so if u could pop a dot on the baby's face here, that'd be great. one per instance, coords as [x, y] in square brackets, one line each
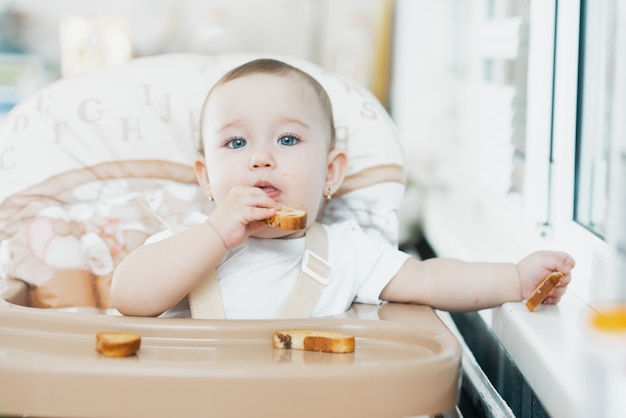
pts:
[268, 131]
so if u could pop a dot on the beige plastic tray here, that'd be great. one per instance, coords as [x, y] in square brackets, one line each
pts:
[406, 363]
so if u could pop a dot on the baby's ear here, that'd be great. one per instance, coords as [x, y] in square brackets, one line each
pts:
[337, 168]
[202, 175]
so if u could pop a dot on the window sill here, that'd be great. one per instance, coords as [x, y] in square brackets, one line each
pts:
[548, 348]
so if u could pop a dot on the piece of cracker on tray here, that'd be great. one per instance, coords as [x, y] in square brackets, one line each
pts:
[313, 340]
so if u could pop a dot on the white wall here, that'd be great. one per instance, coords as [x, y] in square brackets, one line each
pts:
[423, 81]
[339, 36]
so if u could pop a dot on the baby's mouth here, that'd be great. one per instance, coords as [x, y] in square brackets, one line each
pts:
[268, 188]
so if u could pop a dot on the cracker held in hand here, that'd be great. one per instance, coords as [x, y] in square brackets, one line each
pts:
[542, 291]
[312, 340]
[117, 344]
[288, 218]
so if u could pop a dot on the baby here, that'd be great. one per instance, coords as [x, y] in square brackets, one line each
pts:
[268, 140]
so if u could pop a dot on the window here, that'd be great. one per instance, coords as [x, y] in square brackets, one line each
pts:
[597, 59]
[586, 209]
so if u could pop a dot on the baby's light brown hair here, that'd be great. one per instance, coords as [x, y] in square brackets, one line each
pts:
[273, 67]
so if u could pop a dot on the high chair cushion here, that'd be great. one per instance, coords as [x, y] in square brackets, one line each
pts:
[75, 155]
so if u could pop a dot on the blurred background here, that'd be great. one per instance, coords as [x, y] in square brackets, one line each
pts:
[425, 60]
[62, 37]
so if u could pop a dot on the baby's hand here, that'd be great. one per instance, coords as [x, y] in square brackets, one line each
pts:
[534, 268]
[241, 214]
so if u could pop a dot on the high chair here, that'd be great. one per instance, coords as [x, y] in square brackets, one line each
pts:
[74, 160]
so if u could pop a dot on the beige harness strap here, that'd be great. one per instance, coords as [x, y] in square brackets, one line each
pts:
[314, 275]
[145, 207]
[205, 299]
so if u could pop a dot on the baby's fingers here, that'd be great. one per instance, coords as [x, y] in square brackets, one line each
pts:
[562, 262]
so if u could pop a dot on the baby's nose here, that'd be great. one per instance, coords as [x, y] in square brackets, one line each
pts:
[261, 160]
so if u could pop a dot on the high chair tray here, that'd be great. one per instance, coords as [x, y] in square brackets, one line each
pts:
[406, 363]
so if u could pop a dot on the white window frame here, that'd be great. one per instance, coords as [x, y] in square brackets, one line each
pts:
[551, 142]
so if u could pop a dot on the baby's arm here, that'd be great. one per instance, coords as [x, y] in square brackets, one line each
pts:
[155, 277]
[456, 285]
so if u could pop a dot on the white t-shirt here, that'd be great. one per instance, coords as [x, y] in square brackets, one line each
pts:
[256, 277]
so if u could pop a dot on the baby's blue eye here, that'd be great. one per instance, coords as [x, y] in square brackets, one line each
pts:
[236, 143]
[288, 140]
